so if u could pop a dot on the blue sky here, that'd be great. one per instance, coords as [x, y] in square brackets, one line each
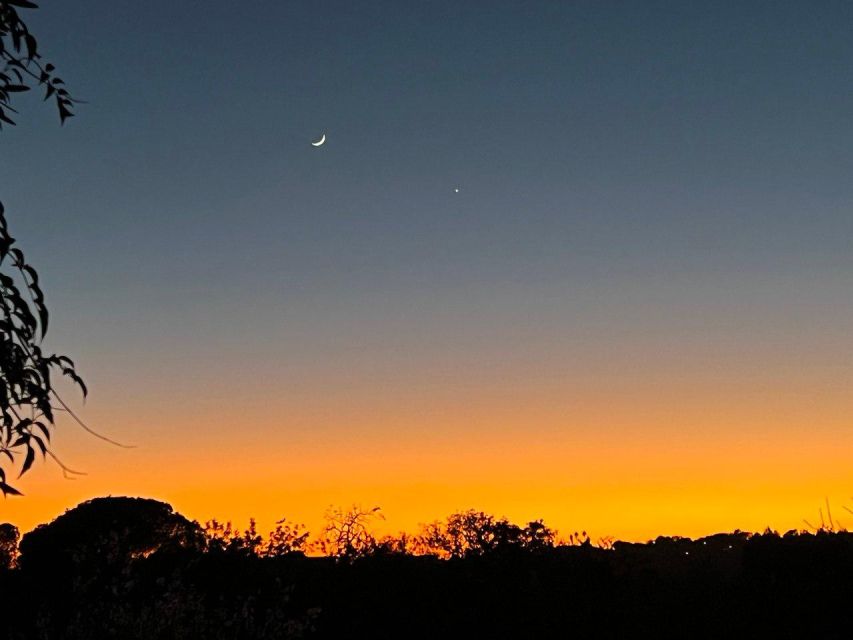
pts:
[603, 146]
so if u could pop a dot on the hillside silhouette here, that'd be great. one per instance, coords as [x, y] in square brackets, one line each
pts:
[134, 568]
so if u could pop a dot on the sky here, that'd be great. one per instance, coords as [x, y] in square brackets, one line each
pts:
[633, 318]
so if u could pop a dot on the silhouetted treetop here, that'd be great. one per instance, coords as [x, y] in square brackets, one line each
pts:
[287, 538]
[107, 531]
[347, 533]
[474, 533]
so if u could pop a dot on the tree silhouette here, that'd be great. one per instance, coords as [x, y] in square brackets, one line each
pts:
[347, 533]
[27, 393]
[475, 533]
[286, 539]
[106, 532]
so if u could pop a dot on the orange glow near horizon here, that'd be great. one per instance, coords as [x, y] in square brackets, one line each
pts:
[624, 470]
[660, 434]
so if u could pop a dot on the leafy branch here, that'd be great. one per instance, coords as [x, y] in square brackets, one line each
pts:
[23, 67]
[26, 383]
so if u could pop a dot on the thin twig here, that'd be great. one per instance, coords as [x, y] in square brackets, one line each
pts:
[89, 429]
[67, 472]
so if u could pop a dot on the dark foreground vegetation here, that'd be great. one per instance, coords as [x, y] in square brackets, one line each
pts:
[132, 568]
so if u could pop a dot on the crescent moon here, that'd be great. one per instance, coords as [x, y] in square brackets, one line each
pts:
[319, 142]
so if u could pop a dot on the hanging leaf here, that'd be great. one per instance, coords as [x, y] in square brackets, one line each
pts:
[28, 460]
[9, 490]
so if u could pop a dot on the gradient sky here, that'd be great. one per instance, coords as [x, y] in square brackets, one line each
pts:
[633, 318]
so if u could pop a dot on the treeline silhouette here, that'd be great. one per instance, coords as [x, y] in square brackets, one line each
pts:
[133, 568]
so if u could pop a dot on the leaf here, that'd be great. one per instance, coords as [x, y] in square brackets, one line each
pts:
[77, 380]
[28, 461]
[41, 445]
[34, 277]
[38, 297]
[32, 45]
[43, 428]
[20, 440]
[18, 255]
[66, 360]
[9, 490]
[64, 113]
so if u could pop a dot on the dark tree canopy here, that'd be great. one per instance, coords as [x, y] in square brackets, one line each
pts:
[27, 394]
[107, 532]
